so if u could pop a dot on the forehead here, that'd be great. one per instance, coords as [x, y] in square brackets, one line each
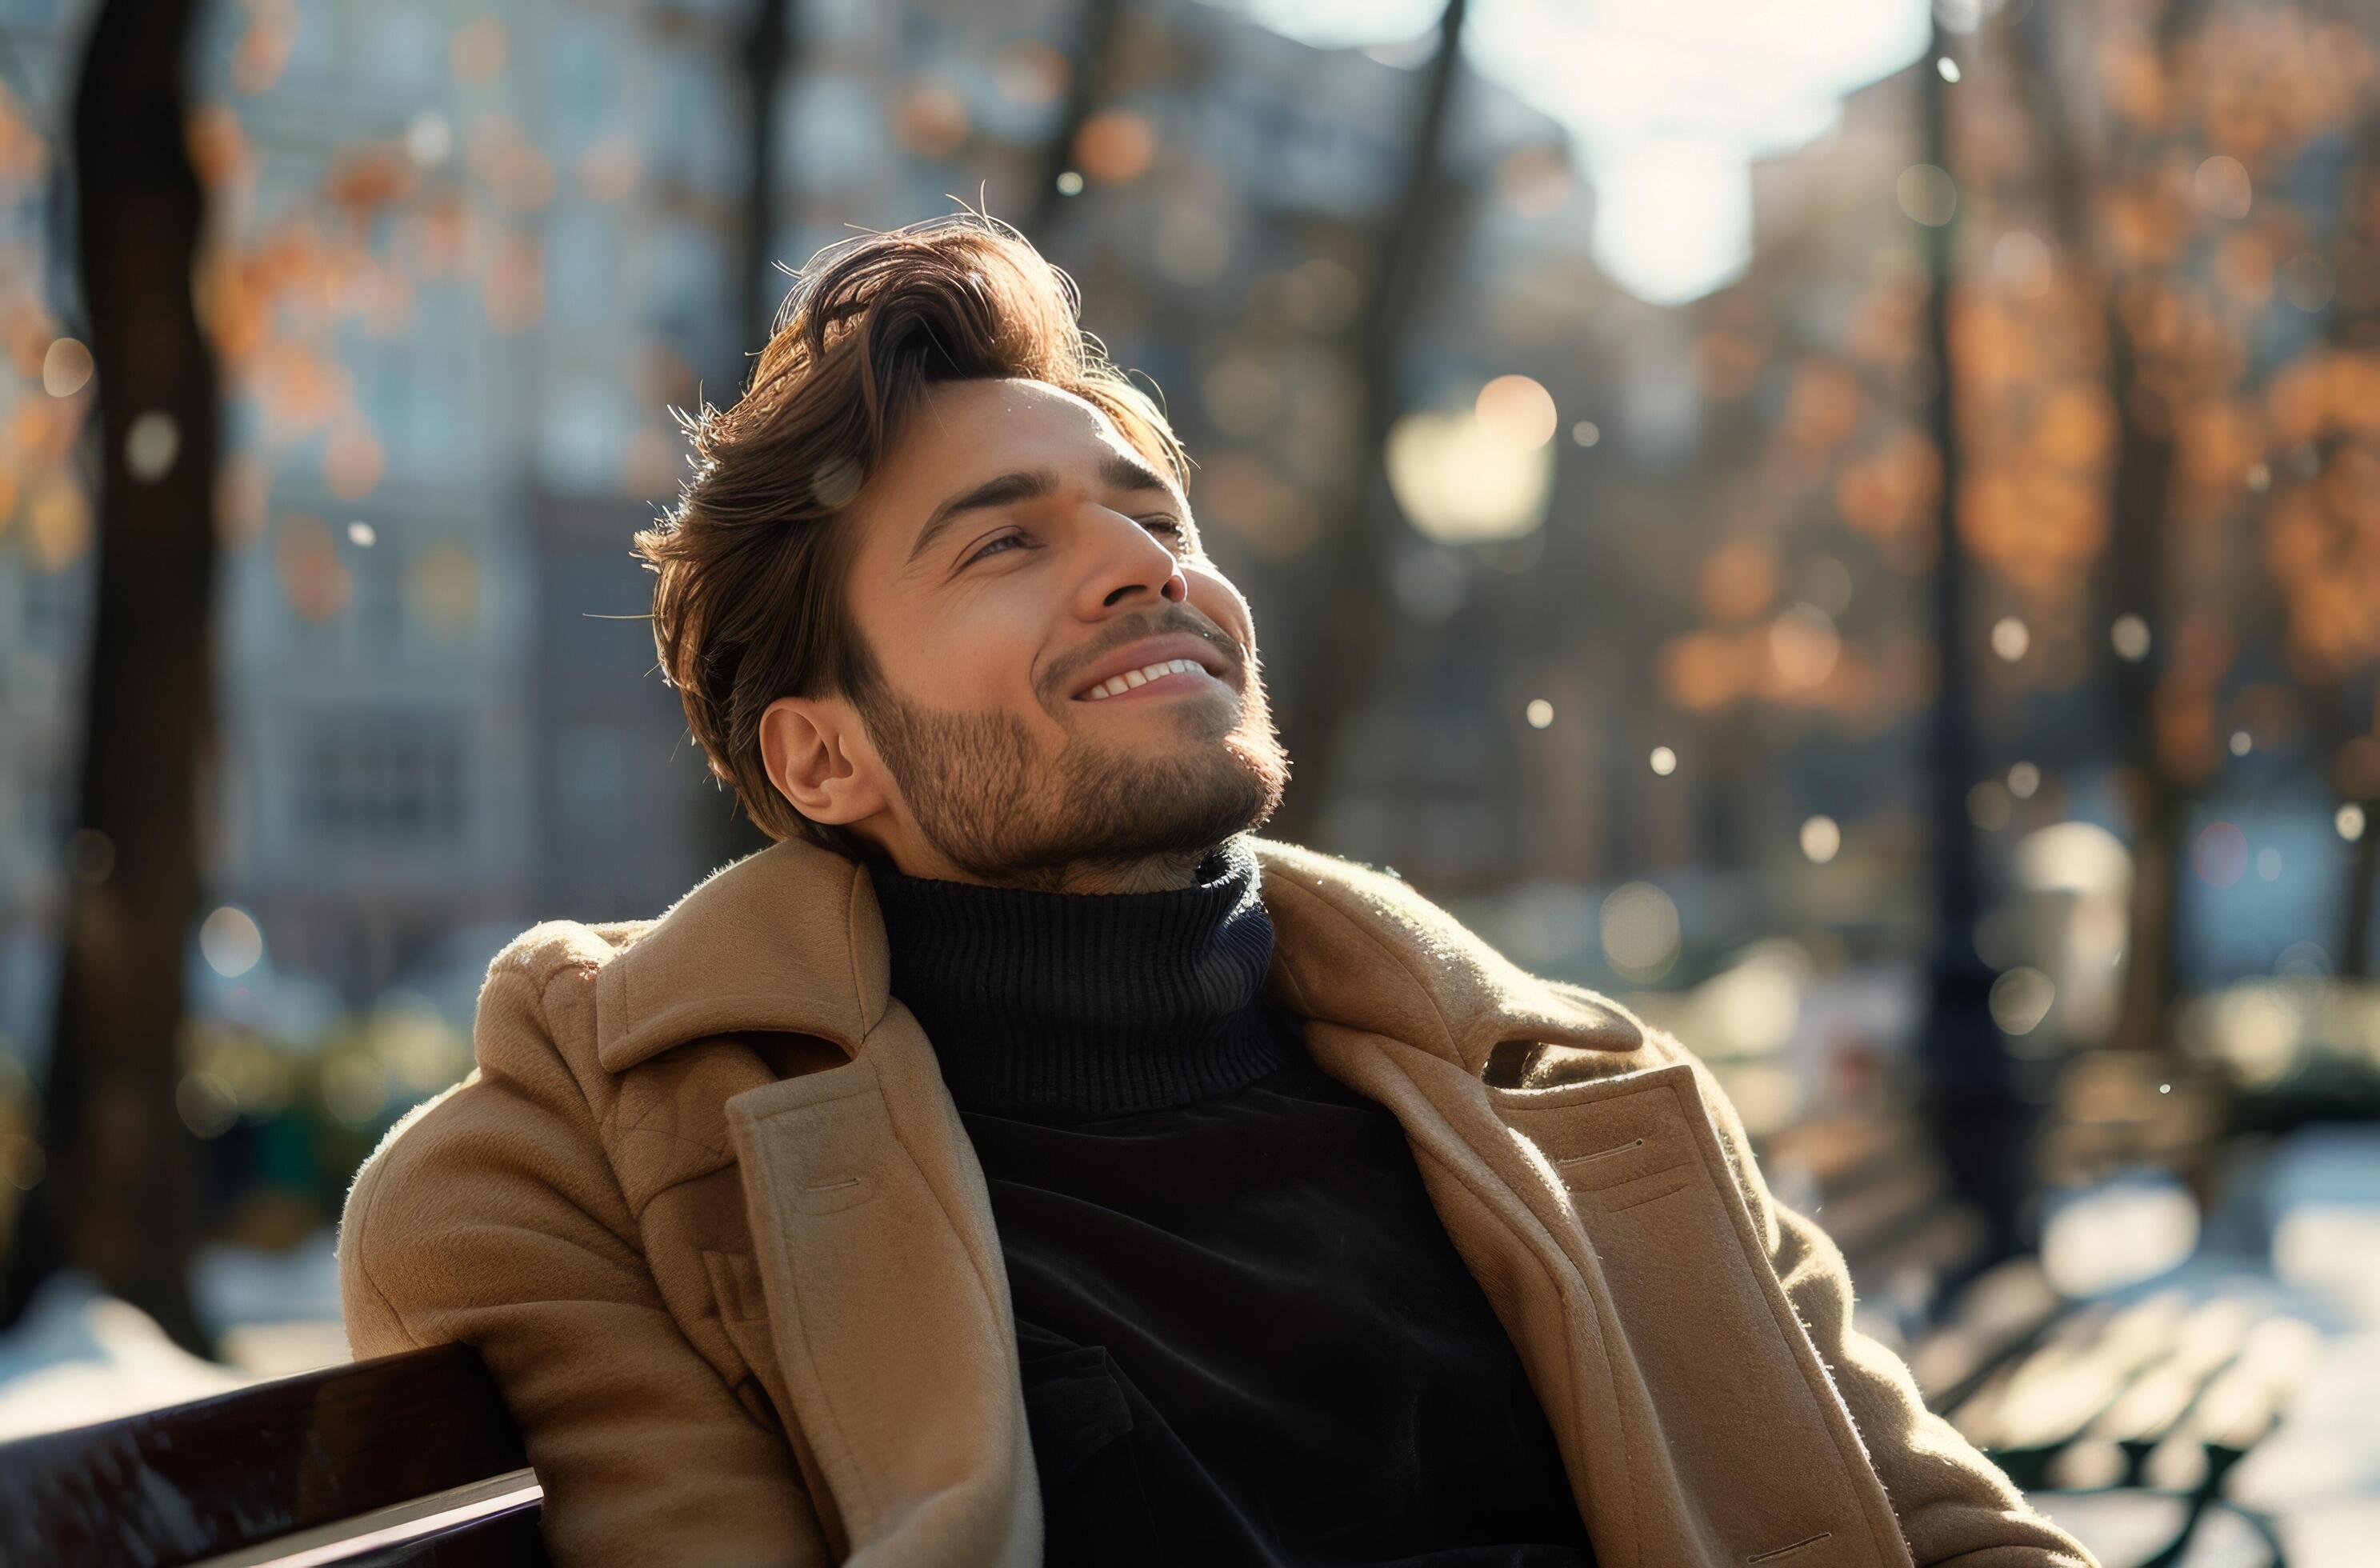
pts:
[962, 433]
[982, 407]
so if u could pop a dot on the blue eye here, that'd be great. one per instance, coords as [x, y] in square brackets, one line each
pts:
[990, 549]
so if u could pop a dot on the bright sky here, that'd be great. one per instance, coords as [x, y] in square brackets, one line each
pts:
[1670, 102]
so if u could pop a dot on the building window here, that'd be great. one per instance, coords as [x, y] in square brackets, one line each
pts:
[389, 779]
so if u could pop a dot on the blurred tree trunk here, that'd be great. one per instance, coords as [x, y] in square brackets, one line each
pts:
[2139, 518]
[2352, 699]
[2344, 718]
[2132, 582]
[1341, 661]
[2134, 585]
[121, 1197]
[1086, 84]
[722, 831]
[2363, 881]
[1970, 1094]
[766, 51]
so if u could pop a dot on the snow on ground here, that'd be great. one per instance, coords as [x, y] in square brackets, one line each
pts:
[80, 1355]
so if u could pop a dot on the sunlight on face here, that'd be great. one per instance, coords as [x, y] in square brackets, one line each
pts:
[1071, 683]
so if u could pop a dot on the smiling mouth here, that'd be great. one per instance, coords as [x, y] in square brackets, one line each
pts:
[1164, 675]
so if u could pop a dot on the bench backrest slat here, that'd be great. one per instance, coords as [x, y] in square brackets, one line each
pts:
[175, 1486]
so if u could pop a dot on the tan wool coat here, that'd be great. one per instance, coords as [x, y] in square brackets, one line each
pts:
[706, 1210]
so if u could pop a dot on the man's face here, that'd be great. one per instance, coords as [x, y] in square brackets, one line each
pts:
[1021, 574]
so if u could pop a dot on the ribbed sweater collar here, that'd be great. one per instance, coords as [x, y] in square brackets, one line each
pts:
[1072, 1004]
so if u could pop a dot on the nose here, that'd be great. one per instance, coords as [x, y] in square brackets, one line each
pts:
[1127, 564]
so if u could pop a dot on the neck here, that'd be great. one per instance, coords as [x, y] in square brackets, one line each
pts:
[1149, 873]
[1166, 871]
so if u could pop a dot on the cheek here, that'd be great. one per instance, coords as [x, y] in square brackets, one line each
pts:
[982, 648]
[1212, 595]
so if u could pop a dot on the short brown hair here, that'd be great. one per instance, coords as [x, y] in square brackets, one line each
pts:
[749, 602]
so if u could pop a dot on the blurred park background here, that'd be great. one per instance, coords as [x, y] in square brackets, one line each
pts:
[1854, 530]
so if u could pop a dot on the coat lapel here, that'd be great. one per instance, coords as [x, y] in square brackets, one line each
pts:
[1574, 1164]
[887, 1306]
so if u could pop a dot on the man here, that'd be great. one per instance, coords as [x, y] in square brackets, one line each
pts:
[1021, 1161]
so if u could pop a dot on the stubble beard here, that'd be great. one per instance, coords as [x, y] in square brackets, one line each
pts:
[987, 799]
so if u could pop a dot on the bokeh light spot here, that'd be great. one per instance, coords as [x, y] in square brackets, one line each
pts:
[66, 367]
[479, 49]
[230, 941]
[1461, 478]
[1639, 926]
[2021, 1000]
[1519, 409]
[2021, 261]
[1927, 194]
[1804, 645]
[2223, 187]
[151, 445]
[1821, 838]
[354, 1087]
[2220, 856]
[1115, 146]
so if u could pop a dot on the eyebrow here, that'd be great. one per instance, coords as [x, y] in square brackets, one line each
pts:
[1116, 471]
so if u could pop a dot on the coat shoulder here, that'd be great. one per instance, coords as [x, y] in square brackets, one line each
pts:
[534, 1099]
[550, 946]
[539, 995]
[533, 1041]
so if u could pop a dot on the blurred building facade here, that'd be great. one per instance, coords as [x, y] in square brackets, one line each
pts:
[471, 255]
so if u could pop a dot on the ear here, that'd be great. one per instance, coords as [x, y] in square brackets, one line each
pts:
[818, 756]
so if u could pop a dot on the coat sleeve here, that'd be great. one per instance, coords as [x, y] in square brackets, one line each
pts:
[1956, 1507]
[491, 1216]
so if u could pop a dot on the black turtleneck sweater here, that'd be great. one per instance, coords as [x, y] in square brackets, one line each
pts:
[1245, 1337]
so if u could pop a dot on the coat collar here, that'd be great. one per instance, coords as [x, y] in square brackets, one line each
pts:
[789, 939]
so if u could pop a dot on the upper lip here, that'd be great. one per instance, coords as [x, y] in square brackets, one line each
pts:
[1154, 651]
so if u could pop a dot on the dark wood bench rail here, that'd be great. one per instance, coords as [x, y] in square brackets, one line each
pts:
[403, 1459]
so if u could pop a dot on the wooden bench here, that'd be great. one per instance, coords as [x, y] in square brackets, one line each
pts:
[2162, 1394]
[407, 1459]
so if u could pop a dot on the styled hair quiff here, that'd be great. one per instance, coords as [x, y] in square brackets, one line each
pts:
[749, 602]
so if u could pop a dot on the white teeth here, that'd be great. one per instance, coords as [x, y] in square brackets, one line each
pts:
[1117, 685]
